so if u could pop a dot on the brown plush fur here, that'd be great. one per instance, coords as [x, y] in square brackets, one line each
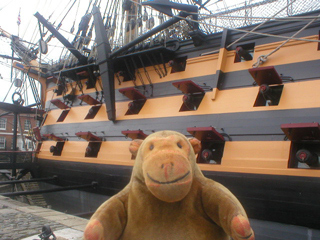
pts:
[168, 198]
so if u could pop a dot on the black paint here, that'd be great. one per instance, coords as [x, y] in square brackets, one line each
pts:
[241, 126]
[287, 199]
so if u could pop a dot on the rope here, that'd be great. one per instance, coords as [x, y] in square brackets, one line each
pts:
[8, 91]
[252, 31]
[74, 22]
[67, 13]
[279, 19]
[263, 58]
[257, 33]
[260, 24]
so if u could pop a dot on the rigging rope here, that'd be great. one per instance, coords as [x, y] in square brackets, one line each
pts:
[260, 24]
[59, 25]
[263, 58]
[257, 33]
[8, 91]
[62, 11]
[74, 22]
[88, 7]
[280, 19]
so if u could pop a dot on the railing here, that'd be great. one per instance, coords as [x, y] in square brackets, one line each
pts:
[20, 156]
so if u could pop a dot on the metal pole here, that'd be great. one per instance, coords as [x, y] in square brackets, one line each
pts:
[13, 194]
[82, 59]
[14, 143]
[30, 105]
[12, 58]
[29, 180]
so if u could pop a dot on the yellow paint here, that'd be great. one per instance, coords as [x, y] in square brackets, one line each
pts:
[50, 94]
[214, 93]
[295, 95]
[239, 156]
[283, 172]
[52, 116]
[256, 154]
[259, 157]
[196, 67]
[224, 60]
[307, 51]
[114, 152]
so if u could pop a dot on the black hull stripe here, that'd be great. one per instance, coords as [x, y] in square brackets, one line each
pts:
[159, 90]
[228, 80]
[244, 126]
[287, 199]
[244, 79]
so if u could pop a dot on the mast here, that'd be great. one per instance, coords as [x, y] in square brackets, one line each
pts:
[106, 73]
[131, 9]
[27, 56]
[27, 62]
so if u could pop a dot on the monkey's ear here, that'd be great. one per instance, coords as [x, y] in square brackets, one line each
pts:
[134, 146]
[196, 144]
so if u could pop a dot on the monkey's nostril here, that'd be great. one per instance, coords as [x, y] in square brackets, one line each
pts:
[162, 166]
[172, 164]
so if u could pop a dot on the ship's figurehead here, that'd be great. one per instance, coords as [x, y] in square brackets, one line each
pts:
[169, 198]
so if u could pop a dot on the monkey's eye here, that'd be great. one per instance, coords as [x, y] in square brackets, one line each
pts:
[151, 147]
[179, 145]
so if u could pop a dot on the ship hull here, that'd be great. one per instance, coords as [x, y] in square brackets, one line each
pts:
[253, 121]
[285, 199]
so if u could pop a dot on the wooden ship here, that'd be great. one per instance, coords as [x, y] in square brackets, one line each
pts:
[248, 93]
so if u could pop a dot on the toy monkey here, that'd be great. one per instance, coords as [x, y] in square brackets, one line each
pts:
[168, 198]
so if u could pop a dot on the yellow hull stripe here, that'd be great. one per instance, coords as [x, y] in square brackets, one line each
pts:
[296, 95]
[208, 65]
[240, 157]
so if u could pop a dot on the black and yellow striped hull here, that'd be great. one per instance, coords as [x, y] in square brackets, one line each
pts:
[255, 163]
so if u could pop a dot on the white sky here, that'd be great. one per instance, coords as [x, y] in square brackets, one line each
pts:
[28, 29]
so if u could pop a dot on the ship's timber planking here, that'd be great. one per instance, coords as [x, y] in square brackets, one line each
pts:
[295, 57]
[254, 165]
[202, 70]
[295, 95]
[286, 199]
[258, 157]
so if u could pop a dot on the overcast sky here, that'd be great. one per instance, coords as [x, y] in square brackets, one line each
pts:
[28, 28]
[9, 11]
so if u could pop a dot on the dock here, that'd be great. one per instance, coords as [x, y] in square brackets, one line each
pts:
[20, 221]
